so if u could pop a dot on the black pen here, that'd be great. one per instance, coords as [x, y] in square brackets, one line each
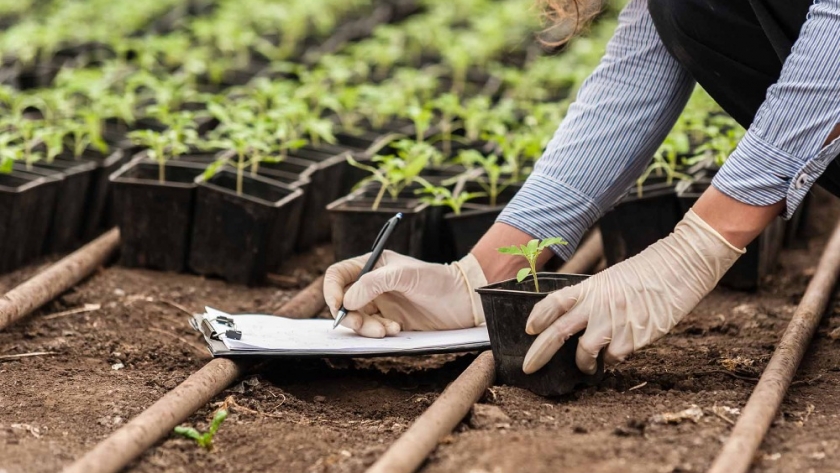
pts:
[378, 248]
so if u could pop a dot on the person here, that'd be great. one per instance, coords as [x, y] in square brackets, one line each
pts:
[773, 65]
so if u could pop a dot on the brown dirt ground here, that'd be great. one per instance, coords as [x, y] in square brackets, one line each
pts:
[321, 416]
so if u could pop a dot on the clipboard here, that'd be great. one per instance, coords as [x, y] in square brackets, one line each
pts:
[273, 336]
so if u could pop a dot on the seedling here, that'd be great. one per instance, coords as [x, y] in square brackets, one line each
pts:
[531, 251]
[163, 146]
[443, 196]
[491, 181]
[394, 174]
[204, 439]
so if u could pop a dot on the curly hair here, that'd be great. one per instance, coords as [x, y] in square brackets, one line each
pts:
[566, 18]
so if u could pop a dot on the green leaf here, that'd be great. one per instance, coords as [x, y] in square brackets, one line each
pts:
[532, 246]
[213, 168]
[220, 417]
[552, 241]
[188, 432]
[522, 274]
[510, 250]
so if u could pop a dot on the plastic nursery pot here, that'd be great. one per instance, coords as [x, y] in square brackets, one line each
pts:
[507, 305]
[99, 202]
[49, 197]
[638, 221]
[26, 202]
[69, 216]
[796, 225]
[242, 237]
[329, 173]
[355, 224]
[155, 218]
[762, 253]
[476, 217]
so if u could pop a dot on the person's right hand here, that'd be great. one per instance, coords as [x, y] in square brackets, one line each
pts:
[402, 293]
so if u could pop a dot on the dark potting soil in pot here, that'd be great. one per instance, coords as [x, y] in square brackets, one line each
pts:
[507, 305]
[155, 218]
[355, 225]
[24, 216]
[242, 237]
[638, 221]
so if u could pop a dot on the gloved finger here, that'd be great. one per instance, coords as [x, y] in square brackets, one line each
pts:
[353, 320]
[372, 327]
[551, 339]
[374, 284]
[338, 277]
[589, 346]
[548, 310]
[391, 327]
[617, 351]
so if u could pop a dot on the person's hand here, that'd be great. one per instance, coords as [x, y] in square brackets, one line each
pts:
[633, 303]
[402, 293]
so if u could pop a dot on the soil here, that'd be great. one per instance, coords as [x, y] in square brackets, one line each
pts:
[339, 416]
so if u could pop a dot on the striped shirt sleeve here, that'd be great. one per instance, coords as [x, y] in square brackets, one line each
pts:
[782, 154]
[622, 113]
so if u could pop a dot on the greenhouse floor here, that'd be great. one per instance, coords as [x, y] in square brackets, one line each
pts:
[111, 363]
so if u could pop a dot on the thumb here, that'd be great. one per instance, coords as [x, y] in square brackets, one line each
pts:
[374, 284]
[338, 277]
[554, 306]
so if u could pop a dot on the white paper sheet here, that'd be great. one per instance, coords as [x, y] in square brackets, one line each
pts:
[272, 335]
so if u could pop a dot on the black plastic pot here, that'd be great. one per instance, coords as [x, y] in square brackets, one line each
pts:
[242, 237]
[796, 225]
[507, 305]
[26, 205]
[355, 225]
[155, 218]
[329, 171]
[638, 221]
[762, 253]
[477, 216]
[69, 216]
[99, 202]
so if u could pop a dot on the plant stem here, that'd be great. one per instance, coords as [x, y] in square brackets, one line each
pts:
[162, 172]
[533, 263]
[379, 197]
[240, 170]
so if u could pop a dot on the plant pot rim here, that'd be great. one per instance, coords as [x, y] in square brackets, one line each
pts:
[72, 167]
[30, 184]
[293, 192]
[494, 287]
[335, 206]
[117, 176]
[477, 209]
[311, 166]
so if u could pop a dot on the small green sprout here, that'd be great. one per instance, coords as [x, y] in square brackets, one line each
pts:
[442, 196]
[204, 440]
[531, 251]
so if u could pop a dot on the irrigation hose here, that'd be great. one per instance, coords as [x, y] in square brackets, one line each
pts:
[740, 448]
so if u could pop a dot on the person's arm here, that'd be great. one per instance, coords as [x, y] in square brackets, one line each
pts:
[793, 136]
[622, 113]
[788, 146]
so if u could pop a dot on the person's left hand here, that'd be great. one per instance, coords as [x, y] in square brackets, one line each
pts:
[633, 303]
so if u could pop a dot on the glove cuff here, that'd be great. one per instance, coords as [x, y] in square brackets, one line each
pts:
[474, 278]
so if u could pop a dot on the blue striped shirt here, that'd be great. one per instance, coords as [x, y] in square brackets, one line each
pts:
[628, 105]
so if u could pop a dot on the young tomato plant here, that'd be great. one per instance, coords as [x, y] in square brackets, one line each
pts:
[204, 439]
[491, 182]
[443, 196]
[163, 146]
[531, 251]
[394, 174]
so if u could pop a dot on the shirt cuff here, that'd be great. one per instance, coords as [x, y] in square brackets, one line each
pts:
[546, 207]
[761, 174]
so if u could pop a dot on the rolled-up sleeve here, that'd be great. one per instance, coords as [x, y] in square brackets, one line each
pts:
[622, 113]
[784, 150]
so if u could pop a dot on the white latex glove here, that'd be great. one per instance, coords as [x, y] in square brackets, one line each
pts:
[633, 303]
[402, 293]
